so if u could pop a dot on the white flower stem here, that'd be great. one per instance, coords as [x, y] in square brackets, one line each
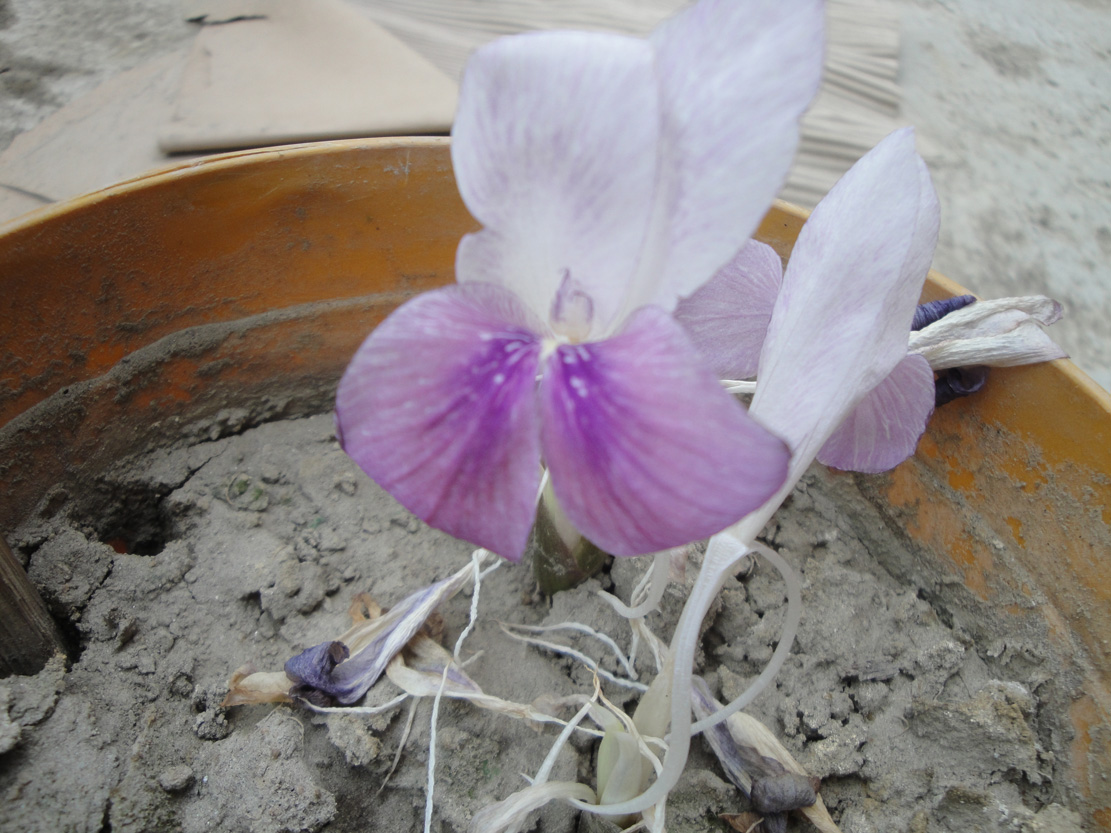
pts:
[779, 656]
[549, 761]
[679, 664]
[724, 552]
[735, 386]
[477, 559]
[431, 788]
[657, 584]
[578, 627]
[574, 654]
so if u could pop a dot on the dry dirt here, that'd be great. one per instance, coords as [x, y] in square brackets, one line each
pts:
[249, 548]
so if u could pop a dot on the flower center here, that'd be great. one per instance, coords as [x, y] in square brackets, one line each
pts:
[572, 312]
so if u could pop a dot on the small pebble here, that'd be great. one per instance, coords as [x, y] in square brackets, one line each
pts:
[176, 778]
[212, 725]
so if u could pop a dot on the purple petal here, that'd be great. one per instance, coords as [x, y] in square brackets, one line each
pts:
[645, 449]
[555, 152]
[735, 78]
[849, 293]
[883, 429]
[438, 406]
[728, 317]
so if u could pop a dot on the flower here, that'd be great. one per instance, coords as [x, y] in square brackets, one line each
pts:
[612, 176]
[957, 339]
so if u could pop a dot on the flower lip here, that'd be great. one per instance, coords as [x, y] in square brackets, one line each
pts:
[438, 407]
[633, 472]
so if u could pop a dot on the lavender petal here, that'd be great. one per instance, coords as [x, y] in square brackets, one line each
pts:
[727, 318]
[884, 428]
[438, 406]
[645, 450]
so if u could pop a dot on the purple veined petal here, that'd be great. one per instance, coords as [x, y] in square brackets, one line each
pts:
[438, 406]
[884, 428]
[849, 293]
[999, 333]
[735, 78]
[555, 152]
[728, 316]
[645, 449]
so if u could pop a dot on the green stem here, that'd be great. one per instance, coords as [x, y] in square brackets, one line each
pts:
[561, 556]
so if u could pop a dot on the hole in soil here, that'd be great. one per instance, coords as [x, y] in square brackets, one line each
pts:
[134, 522]
[73, 641]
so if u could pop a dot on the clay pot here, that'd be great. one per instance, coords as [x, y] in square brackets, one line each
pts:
[227, 292]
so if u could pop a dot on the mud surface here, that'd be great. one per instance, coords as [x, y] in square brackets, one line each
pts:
[191, 562]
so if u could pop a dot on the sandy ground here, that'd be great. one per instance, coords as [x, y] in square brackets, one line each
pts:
[1009, 98]
[1012, 107]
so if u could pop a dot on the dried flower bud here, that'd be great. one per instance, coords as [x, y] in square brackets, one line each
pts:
[780, 793]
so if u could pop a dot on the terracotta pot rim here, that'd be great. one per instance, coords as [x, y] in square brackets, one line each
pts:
[204, 165]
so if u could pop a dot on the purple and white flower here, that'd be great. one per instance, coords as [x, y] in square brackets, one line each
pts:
[612, 176]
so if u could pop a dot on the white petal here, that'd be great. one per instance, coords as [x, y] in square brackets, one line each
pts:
[1025, 343]
[555, 153]
[1000, 333]
[735, 78]
[849, 293]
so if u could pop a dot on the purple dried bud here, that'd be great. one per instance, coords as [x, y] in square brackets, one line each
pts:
[957, 382]
[932, 311]
[311, 672]
[780, 793]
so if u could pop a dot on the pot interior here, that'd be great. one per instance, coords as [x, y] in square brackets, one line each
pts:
[222, 294]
